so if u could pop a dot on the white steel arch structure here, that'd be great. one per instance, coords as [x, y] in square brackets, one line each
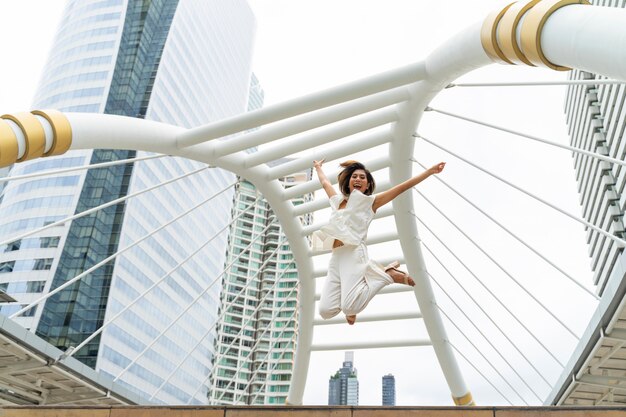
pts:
[385, 109]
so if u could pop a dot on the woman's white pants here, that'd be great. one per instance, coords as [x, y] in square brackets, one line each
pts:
[352, 281]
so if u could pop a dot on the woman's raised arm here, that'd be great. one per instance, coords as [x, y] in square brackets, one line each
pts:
[386, 196]
[326, 185]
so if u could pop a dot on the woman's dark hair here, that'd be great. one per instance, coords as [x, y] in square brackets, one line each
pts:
[344, 177]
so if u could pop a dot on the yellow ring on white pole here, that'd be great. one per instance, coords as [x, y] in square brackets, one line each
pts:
[489, 35]
[35, 136]
[465, 400]
[8, 145]
[61, 129]
[532, 27]
[507, 31]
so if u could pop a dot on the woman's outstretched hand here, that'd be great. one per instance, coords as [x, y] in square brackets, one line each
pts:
[318, 164]
[436, 169]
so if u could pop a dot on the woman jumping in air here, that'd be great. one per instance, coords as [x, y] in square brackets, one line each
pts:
[353, 279]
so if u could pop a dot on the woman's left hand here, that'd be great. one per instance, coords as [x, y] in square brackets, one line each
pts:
[436, 169]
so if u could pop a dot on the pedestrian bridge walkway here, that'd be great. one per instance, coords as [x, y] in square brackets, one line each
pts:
[311, 412]
[379, 114]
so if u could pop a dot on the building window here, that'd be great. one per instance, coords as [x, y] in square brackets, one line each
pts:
[13, 246]
[6, 267]
[42, 264]
[30, 312]
[49, 242]
[33, 243]
[35, 286]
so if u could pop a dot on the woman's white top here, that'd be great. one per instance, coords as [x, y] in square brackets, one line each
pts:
[349, 224]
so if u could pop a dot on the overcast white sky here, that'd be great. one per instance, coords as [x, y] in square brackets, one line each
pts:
[303, 46]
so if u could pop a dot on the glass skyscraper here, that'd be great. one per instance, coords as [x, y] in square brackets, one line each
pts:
[596, 123]
[343, 387]
[180, 62]
[389, 390]
[257, 330]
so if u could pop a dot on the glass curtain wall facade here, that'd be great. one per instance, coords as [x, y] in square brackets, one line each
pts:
[76, 78]
[185, 63]
[257, 330]
[389, 390]
[343, 387]
[596, 119]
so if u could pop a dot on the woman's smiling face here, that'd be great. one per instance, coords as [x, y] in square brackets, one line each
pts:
[358, 181]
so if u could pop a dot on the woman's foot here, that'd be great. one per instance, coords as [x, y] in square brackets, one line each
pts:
[399, 277]
[351, 319]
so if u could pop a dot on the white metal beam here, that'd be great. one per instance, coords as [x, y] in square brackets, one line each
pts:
[313, 120]
[342, 150]
[351, 91]
[365, 318]
[371, 345]
[322, 136]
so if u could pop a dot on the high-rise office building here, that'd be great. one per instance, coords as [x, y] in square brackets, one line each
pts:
[389, 390]
[3, 173]
[257, 330]
[343, 387]
[596, 122]
[180, 62]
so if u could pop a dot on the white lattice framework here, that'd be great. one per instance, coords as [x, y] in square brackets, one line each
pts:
[384, 109]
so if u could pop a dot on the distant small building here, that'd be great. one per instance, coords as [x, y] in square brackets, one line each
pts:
[389, 390]
[343, 387]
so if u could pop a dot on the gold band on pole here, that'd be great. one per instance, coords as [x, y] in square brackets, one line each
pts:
[498, 34]
[507, 31]
[465, 400]
[532, 27]
[61, 129]
[8, 145]
[35, 136]
[489, 35]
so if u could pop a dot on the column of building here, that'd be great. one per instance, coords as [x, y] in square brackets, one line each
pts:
[343, 386]
[389, 390]
[596, 122]
[146, 60]
[257, 333]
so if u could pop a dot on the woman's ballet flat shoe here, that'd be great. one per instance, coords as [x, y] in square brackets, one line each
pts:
[394, 265]
[351, 320]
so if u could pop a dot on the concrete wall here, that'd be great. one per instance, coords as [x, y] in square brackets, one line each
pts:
[312, 412]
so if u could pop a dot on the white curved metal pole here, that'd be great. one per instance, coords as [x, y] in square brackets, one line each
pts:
[568, 39]
[507, 273]
[350, 127]
[537, 83]
[117, 132]
[371, 318]
[459, 55]
[311, 121]
[478, 370]
[480, 351]
[354, 90]
[589, 38]
[468, 269]
[476, 327]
